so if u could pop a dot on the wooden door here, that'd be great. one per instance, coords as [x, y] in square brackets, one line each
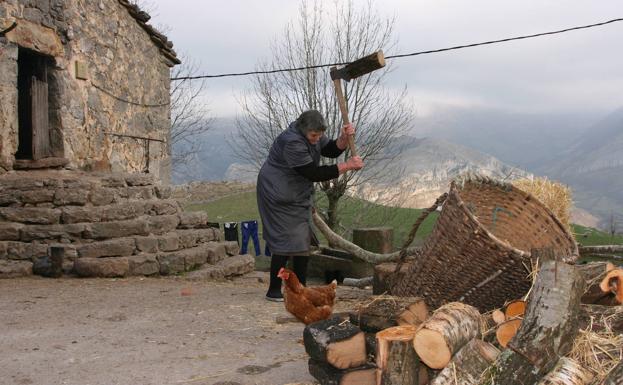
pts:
[39, 111]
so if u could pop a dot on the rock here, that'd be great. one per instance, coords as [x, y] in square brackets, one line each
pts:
[14, 269]
[162, 224]
[102, 267]
[30, 215]
[146, 244]
[65, 196]
[193, 220]
[236, 265]
[169, 242]
[232, 247]
[10, 231]
[193, 237]
[118, 247]
[144, 264]
[117, 229]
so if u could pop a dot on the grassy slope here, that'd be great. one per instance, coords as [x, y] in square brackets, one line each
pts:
[358, 213]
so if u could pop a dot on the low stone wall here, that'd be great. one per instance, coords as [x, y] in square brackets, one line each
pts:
[108, 226]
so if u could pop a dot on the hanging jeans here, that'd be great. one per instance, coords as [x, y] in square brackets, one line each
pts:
[249, 229]
[231, 231]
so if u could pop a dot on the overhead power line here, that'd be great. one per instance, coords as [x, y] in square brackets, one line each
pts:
[401, 55]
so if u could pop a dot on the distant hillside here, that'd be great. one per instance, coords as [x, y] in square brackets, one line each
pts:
[593, 166]
[423, 171]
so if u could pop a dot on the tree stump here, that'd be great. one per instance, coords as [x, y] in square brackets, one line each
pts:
[548, 328]
[396, 361]
[384, 277]
[385, 312]
[567, 372]
[615, 377]
[445, 332]
[468, 364]
[375, 239]
[328, 375]
[337, 342]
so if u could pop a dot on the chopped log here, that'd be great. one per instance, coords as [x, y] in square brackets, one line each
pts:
[385, 312]
[506, 331]
[445, 332]
[328, 375]
[613, 283]
[396, 361]
[567, 372]
[593, 274]
[468, 364]
[358, 282]
[615, 377]
[337, 342]
[548, 328]
[601, 318]
[423, 375]
[498, 316]
[515, 309]
[384, 276]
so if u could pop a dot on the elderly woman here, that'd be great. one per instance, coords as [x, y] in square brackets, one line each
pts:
[284, 191]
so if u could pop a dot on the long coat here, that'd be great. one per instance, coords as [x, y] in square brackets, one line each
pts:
[284, 197]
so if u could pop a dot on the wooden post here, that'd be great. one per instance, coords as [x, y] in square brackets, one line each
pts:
[396, 360]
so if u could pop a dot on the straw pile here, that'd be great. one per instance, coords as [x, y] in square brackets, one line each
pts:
[554, 195]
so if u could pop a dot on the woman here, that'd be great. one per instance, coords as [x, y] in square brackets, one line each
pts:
[284, 191]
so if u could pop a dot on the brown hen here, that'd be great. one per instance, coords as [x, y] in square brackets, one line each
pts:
[307, 304]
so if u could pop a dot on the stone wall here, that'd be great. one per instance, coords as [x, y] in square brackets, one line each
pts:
[126, 90]
[107, 226]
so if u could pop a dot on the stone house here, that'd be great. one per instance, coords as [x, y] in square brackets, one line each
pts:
[84, 149]
[84, 84]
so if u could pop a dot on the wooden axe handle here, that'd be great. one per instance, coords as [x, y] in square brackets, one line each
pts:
[342, 103]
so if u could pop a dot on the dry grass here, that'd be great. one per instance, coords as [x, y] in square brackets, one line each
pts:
[554, 195]
[598, 352]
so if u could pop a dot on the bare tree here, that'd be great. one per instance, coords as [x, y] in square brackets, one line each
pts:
[189, 117]
[342, 35]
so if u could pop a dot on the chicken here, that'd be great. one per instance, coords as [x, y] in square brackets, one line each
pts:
[307, 304]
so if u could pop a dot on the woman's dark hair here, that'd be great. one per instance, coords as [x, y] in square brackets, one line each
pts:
[311, 120]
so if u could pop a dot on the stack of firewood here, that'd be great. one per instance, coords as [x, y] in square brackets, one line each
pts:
[543, 340]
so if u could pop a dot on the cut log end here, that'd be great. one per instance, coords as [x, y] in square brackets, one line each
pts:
[432, 348]
[360, 377]
[414, 314]
[515, 309]
[498, 316]
[348, 353]
[396, 333]
[613, 283]
[507, 331]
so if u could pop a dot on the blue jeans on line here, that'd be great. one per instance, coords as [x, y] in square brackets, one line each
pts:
[249, 229]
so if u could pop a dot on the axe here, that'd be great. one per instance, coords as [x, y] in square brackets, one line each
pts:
[353, 70]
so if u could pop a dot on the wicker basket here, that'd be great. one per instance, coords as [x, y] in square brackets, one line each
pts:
[479, 250]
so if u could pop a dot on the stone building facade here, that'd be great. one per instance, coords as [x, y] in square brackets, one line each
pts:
[84, 84]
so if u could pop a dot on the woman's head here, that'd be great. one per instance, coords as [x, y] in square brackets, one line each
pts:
[311, 124]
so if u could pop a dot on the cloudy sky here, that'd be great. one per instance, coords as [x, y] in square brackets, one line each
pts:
[575, 71]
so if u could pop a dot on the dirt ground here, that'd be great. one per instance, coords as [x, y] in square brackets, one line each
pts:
[144, 331]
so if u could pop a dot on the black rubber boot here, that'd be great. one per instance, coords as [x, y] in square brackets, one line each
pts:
[300, 268]
[274, 287]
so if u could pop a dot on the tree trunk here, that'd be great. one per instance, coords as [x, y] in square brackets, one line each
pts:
[548, 328]
[615, 377]
[337, 342]
[567, 372]
[396, 361]
[445, 332]
[328, 375]
[468, 364]
[385, 312]
[593, 274]
[340, 243]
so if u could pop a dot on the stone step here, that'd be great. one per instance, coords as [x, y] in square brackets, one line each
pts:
[230, 266]
[14, 269]
[189, 259]
[120, 211]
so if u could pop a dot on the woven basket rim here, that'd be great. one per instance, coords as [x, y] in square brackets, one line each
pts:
[458, 183]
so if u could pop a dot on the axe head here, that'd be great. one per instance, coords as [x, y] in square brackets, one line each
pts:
[359, 67]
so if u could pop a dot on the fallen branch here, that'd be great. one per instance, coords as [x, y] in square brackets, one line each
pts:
[358, 282]
[603, 249]
[356, 251]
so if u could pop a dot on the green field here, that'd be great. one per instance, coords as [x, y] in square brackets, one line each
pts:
[356, 213]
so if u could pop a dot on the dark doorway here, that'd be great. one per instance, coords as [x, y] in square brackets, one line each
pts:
[33, 105]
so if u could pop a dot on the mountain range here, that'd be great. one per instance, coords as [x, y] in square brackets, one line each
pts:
[584, 151]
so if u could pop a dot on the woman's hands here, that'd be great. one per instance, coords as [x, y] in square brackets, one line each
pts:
[353, 163]
[342, 140]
